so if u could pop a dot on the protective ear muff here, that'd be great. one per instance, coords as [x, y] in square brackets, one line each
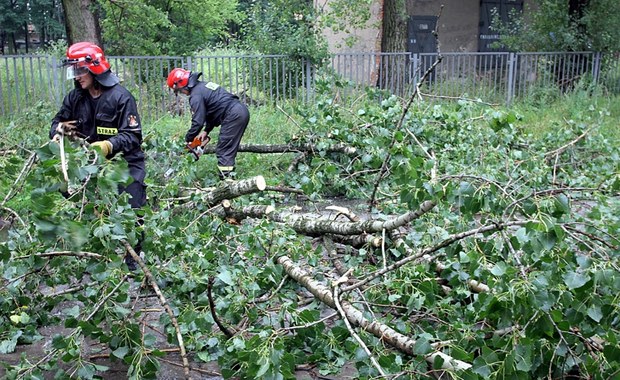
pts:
[90, 59]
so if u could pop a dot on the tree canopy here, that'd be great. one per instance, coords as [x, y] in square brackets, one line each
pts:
[556, 26]
[154, 27]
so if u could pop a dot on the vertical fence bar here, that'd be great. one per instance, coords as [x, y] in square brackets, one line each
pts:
[596, 69]
[2, 109]
[511, 77]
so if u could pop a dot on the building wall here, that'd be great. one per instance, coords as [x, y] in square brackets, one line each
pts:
[367, 39]
[458, 25]
[458, 22]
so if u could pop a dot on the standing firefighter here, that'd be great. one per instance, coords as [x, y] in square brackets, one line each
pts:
[211, 106]
[103, 112]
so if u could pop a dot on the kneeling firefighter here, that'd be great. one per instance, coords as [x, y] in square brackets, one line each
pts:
[212, 106]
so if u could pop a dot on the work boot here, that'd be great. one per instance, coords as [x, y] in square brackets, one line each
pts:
[132, 265]
[227, 175]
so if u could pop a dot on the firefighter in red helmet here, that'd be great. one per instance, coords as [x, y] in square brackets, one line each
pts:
[104, 113]
[213, 106]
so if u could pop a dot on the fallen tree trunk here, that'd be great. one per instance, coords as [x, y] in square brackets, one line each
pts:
[288, 148]
[356, 317]
[250, 211]
[357, 241]
[314, 227]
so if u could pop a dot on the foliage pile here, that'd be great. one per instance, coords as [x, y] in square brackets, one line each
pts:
[513, 271]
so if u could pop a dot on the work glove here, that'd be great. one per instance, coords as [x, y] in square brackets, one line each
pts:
[66, 127]
[105, 146]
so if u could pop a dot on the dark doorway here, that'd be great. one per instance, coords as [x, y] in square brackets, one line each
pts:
[505, 9]
[420, 37]
[421, 40]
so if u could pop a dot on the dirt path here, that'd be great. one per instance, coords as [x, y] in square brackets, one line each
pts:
[171, 366]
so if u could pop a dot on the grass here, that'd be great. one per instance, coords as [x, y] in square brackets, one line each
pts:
[276, 124]
[537, 119]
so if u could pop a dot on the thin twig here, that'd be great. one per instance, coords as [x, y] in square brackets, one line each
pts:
[163, 302]
[446, 242]
[343, 315]
[561, 149]
[63, 159]
[25, 169]
[16, 215]
[267, 296]
[229, 334]
[384, 166]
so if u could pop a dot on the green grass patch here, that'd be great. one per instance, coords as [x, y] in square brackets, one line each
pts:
[538, 120]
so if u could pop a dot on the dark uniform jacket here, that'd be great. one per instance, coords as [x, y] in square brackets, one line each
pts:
[209, 103]
[113, 117]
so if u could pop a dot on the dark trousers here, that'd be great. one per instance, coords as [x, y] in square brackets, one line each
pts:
[138, 193]
[231, 131]
[137, 190]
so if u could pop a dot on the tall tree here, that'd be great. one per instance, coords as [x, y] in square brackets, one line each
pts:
[174, 27]
[48, 19]
[284, 27]
[12, 16]
[393, 39]
[82, 21]
[394, 27]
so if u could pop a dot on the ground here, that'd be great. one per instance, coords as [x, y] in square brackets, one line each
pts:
[171, 366]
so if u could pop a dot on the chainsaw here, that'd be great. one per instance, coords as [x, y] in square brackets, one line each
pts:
[197, 147]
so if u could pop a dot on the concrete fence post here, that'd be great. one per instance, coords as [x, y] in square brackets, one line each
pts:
[512, 77]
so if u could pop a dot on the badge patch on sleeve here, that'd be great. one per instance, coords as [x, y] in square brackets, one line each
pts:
[212, 86]
[133, 121]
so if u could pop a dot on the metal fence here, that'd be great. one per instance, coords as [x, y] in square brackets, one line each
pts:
[261, 79]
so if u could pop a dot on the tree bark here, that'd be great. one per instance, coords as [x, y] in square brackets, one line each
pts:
[356, 317]
[394, 26]
[234, 189]
[313, 226]
[82, 21]
[393, 39]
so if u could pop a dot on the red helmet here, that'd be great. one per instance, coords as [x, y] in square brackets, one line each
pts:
[178, 79]
[88, 55]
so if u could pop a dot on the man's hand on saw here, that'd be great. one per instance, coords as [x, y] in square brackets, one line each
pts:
[202, 136]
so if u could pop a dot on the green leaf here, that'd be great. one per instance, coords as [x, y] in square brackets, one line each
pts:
[120, 352]
[499, 269]
[575, 280]
[72, 311]
[422, 346]
[226, 277]
[8, 346]
[523, 357]
[595, 313]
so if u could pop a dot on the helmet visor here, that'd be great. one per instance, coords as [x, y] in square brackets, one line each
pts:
[75, 71]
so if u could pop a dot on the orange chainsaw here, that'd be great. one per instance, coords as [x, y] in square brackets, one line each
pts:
[196, 147]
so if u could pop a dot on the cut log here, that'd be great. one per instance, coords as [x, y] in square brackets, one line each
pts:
[233, 189]
[252, 211]
[357, 241]
[356, 317]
